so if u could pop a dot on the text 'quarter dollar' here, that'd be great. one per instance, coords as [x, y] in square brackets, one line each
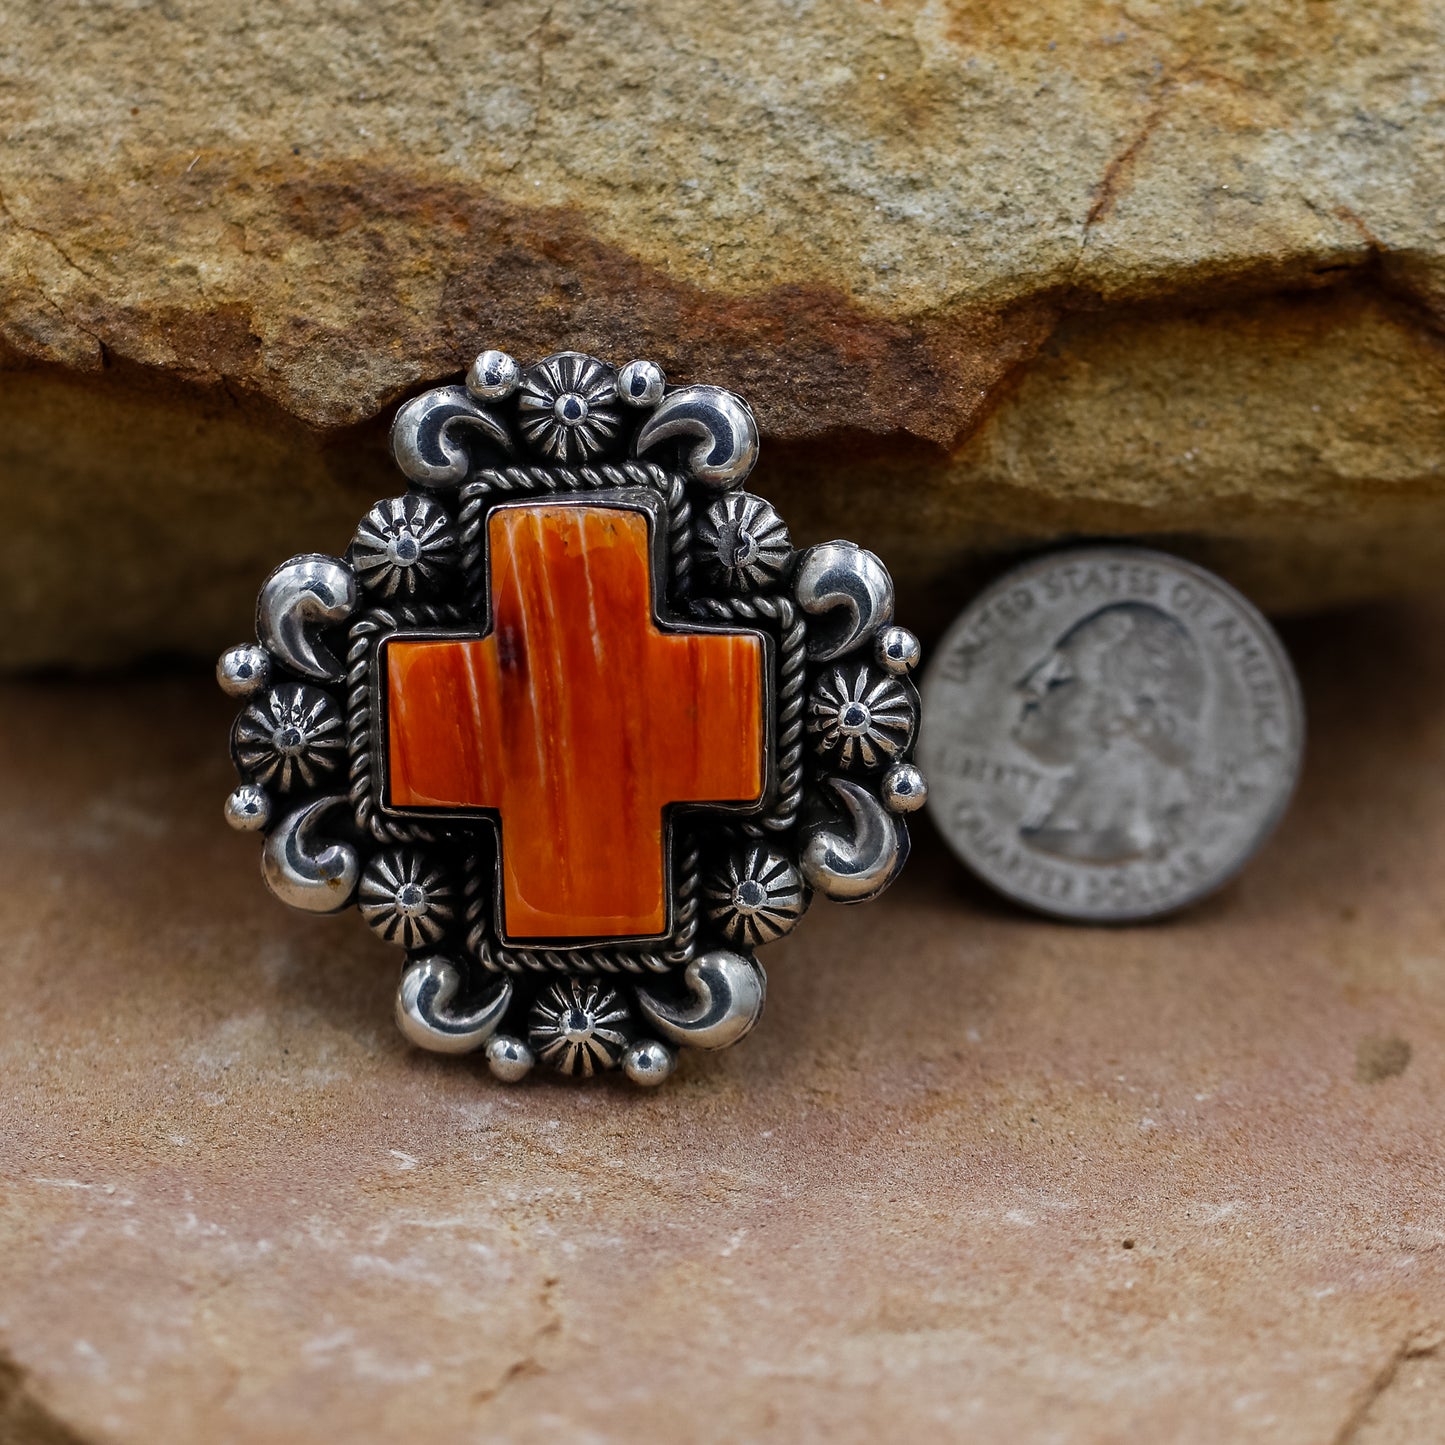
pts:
[578, 719]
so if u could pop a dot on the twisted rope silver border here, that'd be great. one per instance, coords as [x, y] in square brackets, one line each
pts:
[488, 482]
[777, 608]
[491, 955]
[792, 687]
[362, 639]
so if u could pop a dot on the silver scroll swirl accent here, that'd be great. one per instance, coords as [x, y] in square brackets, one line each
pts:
[423, 1008]
[724, 425]
[298, 599]
[850, 579]
[424, 437]
[852, 868]
[726, 994]
[310, 872]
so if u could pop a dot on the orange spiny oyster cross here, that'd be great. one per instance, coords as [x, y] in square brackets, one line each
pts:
[578, 719]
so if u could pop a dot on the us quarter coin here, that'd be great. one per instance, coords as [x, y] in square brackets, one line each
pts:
[1109, 733]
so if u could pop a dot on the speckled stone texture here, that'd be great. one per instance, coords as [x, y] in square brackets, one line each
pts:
[975, 1177]
[991, 273]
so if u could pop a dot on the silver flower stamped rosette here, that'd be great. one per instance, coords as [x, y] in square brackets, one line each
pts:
[315, 742]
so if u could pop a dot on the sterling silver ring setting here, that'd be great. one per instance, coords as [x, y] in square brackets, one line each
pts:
[571, 722]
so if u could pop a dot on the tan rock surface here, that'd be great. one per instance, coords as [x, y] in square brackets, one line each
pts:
[997, 272]
[975, 1177]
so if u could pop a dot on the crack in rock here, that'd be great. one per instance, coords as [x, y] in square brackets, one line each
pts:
[1419, 1345]
[527, 1363]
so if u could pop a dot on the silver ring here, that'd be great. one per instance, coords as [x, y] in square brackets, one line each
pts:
[573, 724]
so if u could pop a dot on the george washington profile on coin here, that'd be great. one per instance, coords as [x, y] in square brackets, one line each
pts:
[1115, 701]
[1110, 733]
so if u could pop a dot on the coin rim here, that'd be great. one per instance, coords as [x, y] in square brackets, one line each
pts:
[1268, 824]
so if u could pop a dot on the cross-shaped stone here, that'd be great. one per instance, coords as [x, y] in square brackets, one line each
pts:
[578, 719]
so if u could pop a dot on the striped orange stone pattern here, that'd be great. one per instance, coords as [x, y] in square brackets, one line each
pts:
[578, 719]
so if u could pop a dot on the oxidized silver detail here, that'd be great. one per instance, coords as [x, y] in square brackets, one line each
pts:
[402, 544]
[1110, 733]
[366, 632]
[305, 869]
[726, 992]
[299, 599]
[424, 999]
[744, 542]
[846, 579]
[756, 896]
[427, 436]
[859, 717]
[406, 898]
[292, 735]
[727, 433]
[579, 1026]
[855, 865]
[792, 684]
[243, 671]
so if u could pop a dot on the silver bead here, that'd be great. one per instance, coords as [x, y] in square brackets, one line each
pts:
[493, 376]
[509, 1059]
[904, 789]
[897, 649]
[248, 809]
[243, 670]
[641, 383]
[648, 1063]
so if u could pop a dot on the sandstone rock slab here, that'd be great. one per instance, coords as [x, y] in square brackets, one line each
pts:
[976, 1175]
[995, 274]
